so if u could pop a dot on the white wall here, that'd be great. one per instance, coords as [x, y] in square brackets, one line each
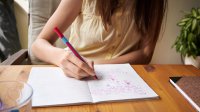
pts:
[21, 9]
[164, 54]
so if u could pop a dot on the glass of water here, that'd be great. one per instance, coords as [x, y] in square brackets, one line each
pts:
[15, 96]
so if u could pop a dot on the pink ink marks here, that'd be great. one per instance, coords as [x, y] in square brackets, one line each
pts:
[127, 82]
[115, 86]
[112, 79]
[112, 85]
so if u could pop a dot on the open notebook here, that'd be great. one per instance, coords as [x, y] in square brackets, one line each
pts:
[116, 82]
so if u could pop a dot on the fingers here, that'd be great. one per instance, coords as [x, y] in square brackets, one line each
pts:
[71, 74]
[82, 65]
[73, 70]
[74, 67]
[91, 64]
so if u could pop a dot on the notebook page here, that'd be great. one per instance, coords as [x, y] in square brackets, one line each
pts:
[118, 82]
[52, 87]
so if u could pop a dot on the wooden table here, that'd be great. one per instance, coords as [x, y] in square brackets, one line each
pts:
[156, 76]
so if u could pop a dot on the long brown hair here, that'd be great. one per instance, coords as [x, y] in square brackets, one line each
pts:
[148, 14]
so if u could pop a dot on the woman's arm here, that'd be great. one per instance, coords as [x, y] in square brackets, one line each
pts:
[43, 47]
[140, 56]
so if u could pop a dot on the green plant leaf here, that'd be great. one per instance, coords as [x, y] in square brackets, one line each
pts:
[190, 37]
[181, 48]
[198, 29]
[194, 46]
[194, 24]
[185, 19]
[185, 34]
[181, 24]
[198, 10]
[194, 13]
[198, 17]
[188, 24]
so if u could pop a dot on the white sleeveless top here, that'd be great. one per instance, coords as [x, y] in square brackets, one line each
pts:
[91, 40]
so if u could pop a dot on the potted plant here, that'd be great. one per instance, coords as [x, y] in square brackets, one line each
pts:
[188, 41]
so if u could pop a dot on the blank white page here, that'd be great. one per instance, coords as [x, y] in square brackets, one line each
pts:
[52, 87]
[118, 82]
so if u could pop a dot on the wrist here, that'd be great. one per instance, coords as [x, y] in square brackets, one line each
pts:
[56, 57]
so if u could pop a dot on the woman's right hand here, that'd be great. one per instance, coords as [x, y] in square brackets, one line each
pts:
[74, 67]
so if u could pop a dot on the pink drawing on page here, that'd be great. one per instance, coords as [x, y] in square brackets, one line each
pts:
[112, 85]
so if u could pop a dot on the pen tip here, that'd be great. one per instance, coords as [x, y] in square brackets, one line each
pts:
[95, 77]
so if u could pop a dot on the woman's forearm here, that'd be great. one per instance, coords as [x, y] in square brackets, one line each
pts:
[43, 50]
[135, 57]
[140, 56]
